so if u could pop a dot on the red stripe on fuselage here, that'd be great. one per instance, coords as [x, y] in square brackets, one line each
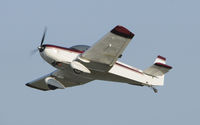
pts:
[63, 48]
[77, 51]
[128, 68]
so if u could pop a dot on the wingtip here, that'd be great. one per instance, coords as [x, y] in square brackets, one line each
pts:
[31, 86]
[122, 31]
[27, 84]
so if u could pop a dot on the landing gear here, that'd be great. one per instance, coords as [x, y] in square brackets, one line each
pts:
[154, 89]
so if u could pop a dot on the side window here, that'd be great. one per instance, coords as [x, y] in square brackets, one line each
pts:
[80, 47]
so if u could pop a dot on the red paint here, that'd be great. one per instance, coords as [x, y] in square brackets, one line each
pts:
[161, 57]
[163, 65]
[122, 31]
[54, 46]
[128, 68]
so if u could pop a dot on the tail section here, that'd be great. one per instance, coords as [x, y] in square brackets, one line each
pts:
[160, 59]
[159, 67]
[151, 77]
[158, 70]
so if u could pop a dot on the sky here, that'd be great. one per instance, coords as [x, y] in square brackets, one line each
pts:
[169, 28]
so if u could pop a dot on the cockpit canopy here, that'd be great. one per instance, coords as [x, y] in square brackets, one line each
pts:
[80, 47]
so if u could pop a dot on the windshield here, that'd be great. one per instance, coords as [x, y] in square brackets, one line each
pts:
[80, 47]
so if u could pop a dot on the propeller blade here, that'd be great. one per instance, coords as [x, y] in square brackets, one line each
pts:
[44, 34]
[33, 52]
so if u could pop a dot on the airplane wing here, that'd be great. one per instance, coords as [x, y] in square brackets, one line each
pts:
[109, 48]
[58, 79]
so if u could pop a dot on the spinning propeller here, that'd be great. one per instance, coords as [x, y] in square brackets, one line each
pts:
[41, 47]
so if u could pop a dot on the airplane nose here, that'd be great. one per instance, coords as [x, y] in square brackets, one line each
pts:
[41, 48]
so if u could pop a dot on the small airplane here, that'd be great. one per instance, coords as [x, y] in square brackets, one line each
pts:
[81, 64]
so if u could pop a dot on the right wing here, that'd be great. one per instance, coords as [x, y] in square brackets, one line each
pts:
[109, 48]
[58, 79]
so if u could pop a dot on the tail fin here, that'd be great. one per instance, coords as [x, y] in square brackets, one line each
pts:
[158, 70]
[160, 59]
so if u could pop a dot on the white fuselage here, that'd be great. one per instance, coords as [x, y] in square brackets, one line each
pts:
[57, 56]
[53, 54]
[81, 64]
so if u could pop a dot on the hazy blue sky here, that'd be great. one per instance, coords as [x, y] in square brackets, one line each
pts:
[170, 28]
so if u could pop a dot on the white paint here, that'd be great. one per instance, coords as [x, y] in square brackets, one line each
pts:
[158, 60]
[136, 75]
[103, 53]
[79, 66]
[128, 73]
[52, 81]
[120, 72]
[84, 60]
[51, 54]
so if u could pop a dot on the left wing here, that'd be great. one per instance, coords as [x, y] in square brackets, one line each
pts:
[58, 79]
[110, 47]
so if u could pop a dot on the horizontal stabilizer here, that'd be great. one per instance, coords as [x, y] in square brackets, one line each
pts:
[159, 67]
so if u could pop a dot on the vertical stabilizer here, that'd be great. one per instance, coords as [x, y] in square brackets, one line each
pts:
[160, 59]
